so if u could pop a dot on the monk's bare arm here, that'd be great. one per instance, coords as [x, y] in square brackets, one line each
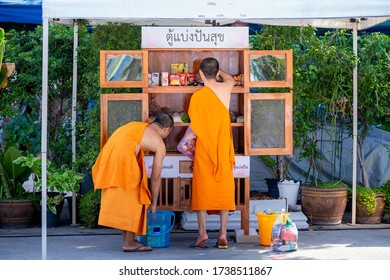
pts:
[155, 177]
[153, 142]
[227, 78]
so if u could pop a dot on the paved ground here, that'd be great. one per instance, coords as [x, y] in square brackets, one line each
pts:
[342, 251]
[66, 242]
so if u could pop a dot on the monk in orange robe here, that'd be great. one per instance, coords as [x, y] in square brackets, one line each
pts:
[120, 173]
[213, 179]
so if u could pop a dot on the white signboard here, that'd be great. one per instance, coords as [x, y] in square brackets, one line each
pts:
[241, 167]
[171, 168]
[195, 37]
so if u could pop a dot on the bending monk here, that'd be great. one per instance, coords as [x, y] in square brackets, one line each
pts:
[121, 174]
[213, 179]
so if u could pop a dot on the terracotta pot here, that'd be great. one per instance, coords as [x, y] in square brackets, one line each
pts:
[324, 206]
[16, 213]
[362, 217]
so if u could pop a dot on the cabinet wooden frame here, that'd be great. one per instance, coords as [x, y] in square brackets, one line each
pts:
[140, 54]
[282, 54]
[175, 193]
[106, 98]
[288, 138]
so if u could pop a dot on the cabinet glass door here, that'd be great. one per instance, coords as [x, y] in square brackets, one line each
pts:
[119, 69]
[119, 109]
[270, 68]
[269, 124]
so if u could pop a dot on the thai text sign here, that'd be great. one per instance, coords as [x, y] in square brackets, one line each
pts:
[195, 37]
[170, 168]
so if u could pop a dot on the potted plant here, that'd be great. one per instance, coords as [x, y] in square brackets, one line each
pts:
[370, 205]
[60, 181]
[385, 190]
[16, 204]
[272, 183]
[280, 185]
[324, 203]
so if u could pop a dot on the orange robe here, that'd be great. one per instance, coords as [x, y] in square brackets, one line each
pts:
[213, 179]
[122, 177]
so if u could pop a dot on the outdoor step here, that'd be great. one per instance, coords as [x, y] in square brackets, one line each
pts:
[189, 221]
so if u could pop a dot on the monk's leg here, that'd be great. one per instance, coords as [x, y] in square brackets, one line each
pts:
[202, 231]
[224, 214]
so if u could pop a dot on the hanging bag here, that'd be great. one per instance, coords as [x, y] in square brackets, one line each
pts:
[187, 144]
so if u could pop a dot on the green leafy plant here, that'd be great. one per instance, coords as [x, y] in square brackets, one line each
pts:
[24, 129]
[6, 69]
[322, 70]
[59, 180]
[270, 162]
[278, 166]
[374, 90]
[89, 208]
[367, 198]
[328, 185]
[385, 190]
[12, 173]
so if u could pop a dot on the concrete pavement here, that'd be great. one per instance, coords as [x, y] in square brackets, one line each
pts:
[66, 242]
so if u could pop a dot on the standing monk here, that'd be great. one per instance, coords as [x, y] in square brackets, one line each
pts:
[213, 179]
[121, 174]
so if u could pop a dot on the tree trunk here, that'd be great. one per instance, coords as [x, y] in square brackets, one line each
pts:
[361, 164]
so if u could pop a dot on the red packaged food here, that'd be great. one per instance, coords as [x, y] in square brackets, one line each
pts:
[174, 80]
[183, 79]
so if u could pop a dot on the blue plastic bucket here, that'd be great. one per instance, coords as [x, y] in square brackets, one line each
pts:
[158, 229]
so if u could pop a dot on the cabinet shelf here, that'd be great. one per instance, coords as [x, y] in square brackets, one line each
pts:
[185, 89]
[187, 124]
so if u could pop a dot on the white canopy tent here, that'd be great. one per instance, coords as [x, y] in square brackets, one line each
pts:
[350, 14]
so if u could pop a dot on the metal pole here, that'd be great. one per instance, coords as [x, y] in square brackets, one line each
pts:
[45, 53]
[355, 113]
[74, 110]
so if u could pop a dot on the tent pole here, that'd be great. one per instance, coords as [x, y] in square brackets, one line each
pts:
[355, 112]
[45, 54]
[74, 109]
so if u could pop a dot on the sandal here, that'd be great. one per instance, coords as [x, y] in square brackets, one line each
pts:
[138, 248]
[222, 244]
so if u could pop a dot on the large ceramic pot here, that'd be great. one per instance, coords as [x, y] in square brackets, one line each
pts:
[16, 213]
[323, 206]
[362, 216]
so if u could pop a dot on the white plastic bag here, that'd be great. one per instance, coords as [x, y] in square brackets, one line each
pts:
[284, 235]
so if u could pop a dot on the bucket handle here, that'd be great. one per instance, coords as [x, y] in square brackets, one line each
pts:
[161, 233]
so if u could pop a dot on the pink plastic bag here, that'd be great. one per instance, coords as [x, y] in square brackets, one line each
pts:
[187, 144]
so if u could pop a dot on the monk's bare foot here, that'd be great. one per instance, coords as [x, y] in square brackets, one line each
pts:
[201, 240]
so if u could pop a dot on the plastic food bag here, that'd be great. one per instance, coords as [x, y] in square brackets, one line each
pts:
[187, 144]
[284, 235]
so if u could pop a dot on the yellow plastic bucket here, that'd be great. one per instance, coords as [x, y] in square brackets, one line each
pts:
[265, 223]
